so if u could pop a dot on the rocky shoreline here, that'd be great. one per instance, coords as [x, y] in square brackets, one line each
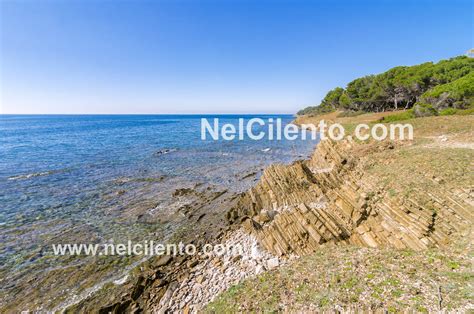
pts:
[329, 199]
[209, 276]
[186, 283]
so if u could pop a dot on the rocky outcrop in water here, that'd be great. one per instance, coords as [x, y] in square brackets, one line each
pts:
[331, 199]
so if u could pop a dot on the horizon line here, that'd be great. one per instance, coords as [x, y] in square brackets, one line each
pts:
[137, 114]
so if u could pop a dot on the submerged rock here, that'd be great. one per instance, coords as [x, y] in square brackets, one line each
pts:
[164, 151]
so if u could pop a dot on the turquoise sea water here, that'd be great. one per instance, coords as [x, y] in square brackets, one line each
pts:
[60, 177]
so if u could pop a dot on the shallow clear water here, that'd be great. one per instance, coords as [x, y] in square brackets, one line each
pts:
[59, 173]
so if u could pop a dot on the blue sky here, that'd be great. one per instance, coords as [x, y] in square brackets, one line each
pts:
[104, 56]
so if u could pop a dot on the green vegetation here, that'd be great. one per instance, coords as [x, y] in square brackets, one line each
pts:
[465, 112]
[446, 84]
[458, 93]
[350, 114]
[448, 112]
[383, 279]
[404, 115]
[424, 110]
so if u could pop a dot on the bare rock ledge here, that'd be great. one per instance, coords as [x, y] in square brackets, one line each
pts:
[330, 199]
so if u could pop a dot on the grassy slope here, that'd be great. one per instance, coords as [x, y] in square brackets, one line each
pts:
[358, 278]
[382, 278]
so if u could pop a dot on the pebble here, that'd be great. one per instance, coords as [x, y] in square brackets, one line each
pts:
[216, 276]
[273, 263]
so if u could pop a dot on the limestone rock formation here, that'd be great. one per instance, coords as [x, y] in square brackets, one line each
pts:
[330, 199]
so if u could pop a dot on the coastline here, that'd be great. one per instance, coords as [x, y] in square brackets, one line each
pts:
[152, 285]
[274, 219]
[267, 215]
[149, 191]
[236, 157]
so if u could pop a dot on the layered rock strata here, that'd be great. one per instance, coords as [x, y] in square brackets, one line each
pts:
[331, 199]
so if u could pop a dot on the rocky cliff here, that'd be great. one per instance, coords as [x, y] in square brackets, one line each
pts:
[331, 198]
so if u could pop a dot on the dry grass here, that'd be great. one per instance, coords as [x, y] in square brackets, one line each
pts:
[338, 277]
[334, 117]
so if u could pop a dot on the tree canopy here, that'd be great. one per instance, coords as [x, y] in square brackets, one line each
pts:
[448, 83]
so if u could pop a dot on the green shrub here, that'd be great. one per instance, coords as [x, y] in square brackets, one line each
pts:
[458, 89]
[448, 112]
[315, 110]
[465, 112]
[405, 115]
[350, 114]
[424, 110]
[458, 94]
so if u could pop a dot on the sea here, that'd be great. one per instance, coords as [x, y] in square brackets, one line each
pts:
[85, 178]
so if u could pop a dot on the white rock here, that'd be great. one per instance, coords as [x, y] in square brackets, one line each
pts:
[255, 252]
[273, 263]
[259, 269]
